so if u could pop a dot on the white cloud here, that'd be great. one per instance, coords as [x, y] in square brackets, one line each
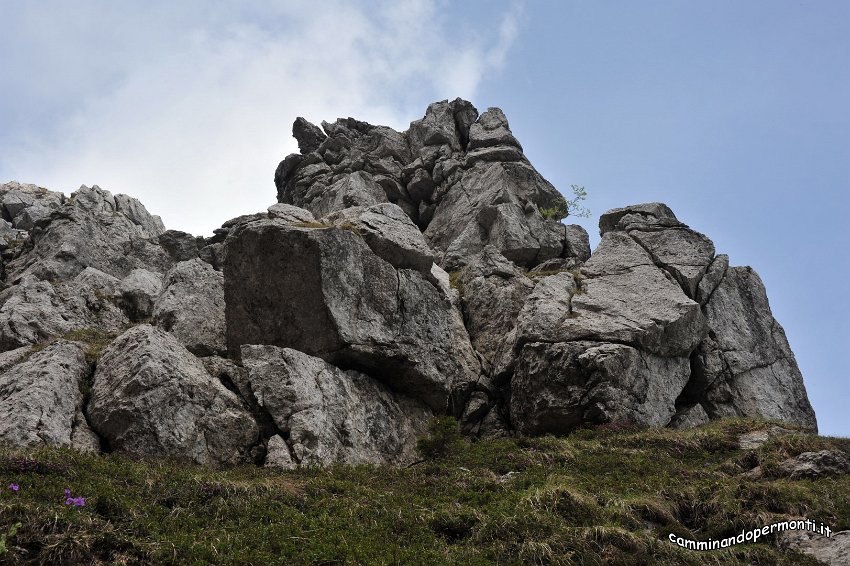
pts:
[190, 111]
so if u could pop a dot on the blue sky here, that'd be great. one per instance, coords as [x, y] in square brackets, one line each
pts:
[733, 113]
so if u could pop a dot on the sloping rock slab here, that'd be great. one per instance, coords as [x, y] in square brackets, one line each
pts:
[390, 234]
[618, 296]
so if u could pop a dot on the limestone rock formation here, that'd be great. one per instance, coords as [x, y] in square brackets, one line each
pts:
[447, 168]
[329, 415]
[324, 292]
[400, 275]
[152, 397]
[191, 306]
[40, 397]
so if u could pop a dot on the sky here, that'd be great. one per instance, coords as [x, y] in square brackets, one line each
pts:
[735, 114]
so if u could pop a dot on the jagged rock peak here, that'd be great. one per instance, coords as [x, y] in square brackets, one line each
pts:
[449, 167]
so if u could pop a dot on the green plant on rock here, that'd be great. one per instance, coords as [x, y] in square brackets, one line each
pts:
[561, 207]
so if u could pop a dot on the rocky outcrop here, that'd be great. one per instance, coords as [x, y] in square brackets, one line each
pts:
[447, 168]
[328, 415]
[92, 229]
[401, 275]
[152, 397]
[653, 291]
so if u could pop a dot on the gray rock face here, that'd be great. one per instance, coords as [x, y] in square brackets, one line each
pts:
[557, 387]
[816, 464]
[25, 205]
[149, 224]
[191, 307]
[654, 285]
[494, 291]
[309, 136]
[745, 367]
[290, 214]
[330, 415]
[576, 242]
[684, 253]
[151, 397]
[338, 301]
[180, 246]
[138, 292]
[504, 201]
[491, 129]
[833, 550]
[324, 292]
[620, 297]
[40, 398]
[652, 214]
[389, 233]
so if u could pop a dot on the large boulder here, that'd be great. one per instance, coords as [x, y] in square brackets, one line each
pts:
[559, 387]
[328, 415]
[191, 307]
[31, 312]
[152, 397]
[40, 396]
[324, 292]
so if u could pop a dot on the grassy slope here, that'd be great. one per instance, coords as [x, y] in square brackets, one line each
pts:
[601, 496]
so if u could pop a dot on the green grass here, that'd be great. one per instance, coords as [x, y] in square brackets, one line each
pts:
[601, 496]
[455, 280]
[93, 340]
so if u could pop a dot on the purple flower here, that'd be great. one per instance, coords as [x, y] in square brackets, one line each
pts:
[14, 487]
[75, 501]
